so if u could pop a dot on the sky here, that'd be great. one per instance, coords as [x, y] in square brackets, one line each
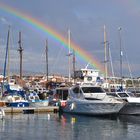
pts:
[85, 19]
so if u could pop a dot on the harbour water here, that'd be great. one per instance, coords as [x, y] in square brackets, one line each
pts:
[68, 127]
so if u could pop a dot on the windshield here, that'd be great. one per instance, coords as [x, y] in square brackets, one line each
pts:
[131, 94]
[92, 90]
[123, 94]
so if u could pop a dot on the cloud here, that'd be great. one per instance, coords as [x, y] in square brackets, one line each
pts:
[5, 21]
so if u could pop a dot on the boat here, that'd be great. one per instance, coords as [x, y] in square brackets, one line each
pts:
[15, 100]
[35, 101]
[2, 103]
[81, 101]
[132, 107]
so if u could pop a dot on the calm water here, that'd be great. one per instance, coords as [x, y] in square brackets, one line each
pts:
[68, 127]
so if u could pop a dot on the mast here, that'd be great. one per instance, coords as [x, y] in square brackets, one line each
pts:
[105, 56]
[74, 66]
[47, 60]
[20, 53]
[7, 54]
[121, 53]
[69, 54]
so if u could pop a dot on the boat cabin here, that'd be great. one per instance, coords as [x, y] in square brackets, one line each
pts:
[61, 93]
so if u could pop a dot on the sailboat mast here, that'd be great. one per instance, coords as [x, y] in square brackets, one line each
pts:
[105, 56]
[20, 53]
[69, 54]
[121, 53]
[7, 55]
[8, 66]
[47, 59]
[74, 66]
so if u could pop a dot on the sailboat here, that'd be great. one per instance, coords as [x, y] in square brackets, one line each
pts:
[33, 97]
[12, 97]
[132, 106]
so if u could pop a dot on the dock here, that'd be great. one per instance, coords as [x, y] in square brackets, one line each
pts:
[30, 110]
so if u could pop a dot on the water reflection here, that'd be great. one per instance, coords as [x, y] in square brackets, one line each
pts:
[70, 127]
[130, 126]
[2, 125]
[134, 119]
[89, 127]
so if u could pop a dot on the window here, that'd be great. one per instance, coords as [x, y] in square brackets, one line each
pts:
[89, 78]
[92, 90]
[76, 90]
[62, 94]
[123, 94]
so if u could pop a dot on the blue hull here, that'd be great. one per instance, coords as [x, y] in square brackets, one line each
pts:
[18, 104]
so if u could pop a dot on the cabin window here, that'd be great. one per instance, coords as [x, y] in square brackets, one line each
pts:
[17, 98]
[76, 90]
[131, 94]
[89, 78]
[112, 94]
[62, 94]
[123, 95]
[92, 90]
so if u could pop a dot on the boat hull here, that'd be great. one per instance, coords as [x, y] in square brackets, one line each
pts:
[41, 103]
[130, 109]
[18, 104]
[92, 108]
[2, 103]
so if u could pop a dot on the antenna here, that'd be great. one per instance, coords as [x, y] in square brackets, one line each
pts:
[87, 65]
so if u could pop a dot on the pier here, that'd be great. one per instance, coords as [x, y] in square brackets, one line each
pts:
[30, 110]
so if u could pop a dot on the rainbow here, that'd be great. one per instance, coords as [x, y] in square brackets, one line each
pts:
[52, 33]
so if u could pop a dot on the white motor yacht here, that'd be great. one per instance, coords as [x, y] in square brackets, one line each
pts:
[83, 99]
[132, 107]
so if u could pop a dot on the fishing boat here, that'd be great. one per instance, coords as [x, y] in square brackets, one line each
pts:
[79, 102]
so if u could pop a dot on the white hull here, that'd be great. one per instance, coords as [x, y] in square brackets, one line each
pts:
[130, 109]
[39, 103]
[92, 107]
